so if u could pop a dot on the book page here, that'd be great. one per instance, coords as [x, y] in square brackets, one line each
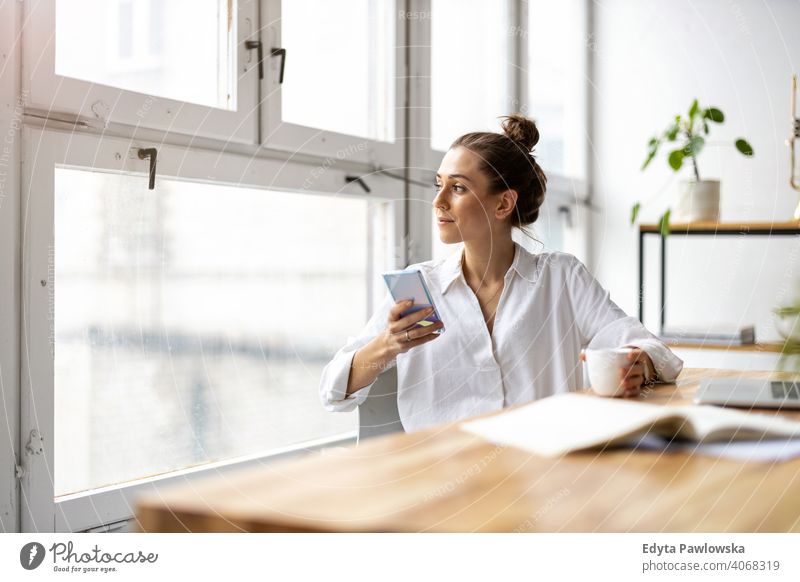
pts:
[566, 422]
[714, 423]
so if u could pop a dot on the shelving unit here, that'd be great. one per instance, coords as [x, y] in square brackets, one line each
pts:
[790, 228]
[768, 347]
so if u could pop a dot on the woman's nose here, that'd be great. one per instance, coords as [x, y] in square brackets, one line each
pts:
[438, 200]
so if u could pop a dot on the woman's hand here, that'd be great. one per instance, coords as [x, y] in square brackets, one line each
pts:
[399, 337]
[632, 375]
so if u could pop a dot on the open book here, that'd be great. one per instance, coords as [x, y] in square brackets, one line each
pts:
[571, 422]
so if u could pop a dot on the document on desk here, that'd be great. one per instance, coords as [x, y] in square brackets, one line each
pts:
[771, 450]
[571, 422]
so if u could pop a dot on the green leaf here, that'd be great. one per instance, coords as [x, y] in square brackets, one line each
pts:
[786, 311]
[693, 109]
[652, 150]
[695, 145]
[672, 131]
[744, 147]
[663, 223]
[635, 212]
[676, 159]
[714, 114]
[705, 127]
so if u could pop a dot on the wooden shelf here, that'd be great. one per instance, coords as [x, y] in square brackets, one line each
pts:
[723, 226]
[771, 347]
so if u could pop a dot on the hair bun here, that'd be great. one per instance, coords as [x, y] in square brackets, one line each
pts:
[521, 129]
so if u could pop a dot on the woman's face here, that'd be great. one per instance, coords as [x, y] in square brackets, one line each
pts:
[463, 208]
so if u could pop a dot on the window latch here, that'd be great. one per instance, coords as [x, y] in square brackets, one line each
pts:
[359, 181]
[152, 154]
[274, 51]
[281, 52]
[256, 44]
[567, 214]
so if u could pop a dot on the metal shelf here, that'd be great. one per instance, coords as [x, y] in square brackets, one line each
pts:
[791, 228]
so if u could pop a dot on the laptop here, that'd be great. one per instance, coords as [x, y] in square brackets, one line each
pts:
[749, 393]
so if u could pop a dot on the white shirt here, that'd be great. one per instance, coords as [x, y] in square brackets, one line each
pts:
[549, 309]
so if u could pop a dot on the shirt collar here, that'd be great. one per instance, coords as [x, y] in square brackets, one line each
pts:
[524, 264]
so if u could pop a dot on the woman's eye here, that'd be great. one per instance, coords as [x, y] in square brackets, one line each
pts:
[456, 187]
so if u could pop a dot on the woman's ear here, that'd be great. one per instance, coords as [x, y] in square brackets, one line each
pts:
[506, 204]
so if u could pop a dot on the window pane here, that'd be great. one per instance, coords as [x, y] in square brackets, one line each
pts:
[192, 322]
[557, 83]
[469, 68]
[336, 80]
[178, 49]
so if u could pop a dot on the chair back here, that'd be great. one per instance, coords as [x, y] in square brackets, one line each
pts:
[378, 414]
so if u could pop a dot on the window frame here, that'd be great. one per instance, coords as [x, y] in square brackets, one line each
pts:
[564, 184]
[290, 137]
[44, 149]
[98, 105]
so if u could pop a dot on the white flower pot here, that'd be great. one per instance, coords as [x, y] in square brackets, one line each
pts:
[789, 326]
[697, 201]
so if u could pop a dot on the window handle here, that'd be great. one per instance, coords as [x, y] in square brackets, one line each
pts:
[567, 215]
[256, 44]
[274, 51]
[359, 181]
[282, 53]
[152, 154]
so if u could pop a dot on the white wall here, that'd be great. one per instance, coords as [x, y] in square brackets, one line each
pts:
[651, 59]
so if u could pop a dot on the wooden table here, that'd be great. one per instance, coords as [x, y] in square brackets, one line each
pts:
[445, 480]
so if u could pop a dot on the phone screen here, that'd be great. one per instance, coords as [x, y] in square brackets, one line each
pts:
[410, 284]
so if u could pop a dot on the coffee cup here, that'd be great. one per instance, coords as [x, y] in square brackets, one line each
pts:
[604, 366]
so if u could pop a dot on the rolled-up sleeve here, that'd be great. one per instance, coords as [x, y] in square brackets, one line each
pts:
[333, 383]
[602, 324]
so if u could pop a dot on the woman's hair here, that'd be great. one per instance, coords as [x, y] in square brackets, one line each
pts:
[507, 161]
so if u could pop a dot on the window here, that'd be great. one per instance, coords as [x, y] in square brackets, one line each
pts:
[470, 68]
[131, 50]
[342, 93]
[189, 331]
[475, 79]
[179, 66]
[354, 72]
[188, 324]
[557, 42]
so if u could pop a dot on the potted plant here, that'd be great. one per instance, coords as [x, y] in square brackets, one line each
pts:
[698, 199]
[788, 325]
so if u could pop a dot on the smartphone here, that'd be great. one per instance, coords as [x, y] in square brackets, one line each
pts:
[410, 284]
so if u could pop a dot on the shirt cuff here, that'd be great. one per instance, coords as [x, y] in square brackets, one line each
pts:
[333, 385]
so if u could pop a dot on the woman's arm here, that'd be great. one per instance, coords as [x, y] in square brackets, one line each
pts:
[347, 378]
[367, 365]
[337, 392]
[602, 324]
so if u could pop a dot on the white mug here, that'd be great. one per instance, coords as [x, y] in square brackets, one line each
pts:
[604, 366]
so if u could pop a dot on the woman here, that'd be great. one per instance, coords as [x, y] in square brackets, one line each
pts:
[515, 322]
